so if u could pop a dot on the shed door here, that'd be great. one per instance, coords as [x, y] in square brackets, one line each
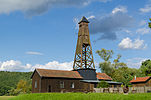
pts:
[49, 88]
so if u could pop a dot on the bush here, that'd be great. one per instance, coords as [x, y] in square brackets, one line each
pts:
[103, 84]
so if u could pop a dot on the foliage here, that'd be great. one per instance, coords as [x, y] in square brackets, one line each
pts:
[149, 24]
[124, 74]
[146, 67]
[83, 96]
[106, 67]
[117, 70]
[122, 85]
[9, 80]
[22, 88]
[14, 92]
[103, 84]
[105, 54]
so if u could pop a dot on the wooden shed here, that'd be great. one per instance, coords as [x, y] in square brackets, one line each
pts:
[141, 81]
[44, 80]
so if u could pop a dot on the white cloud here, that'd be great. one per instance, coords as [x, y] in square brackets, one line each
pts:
[143, 30]
[127, 43]
[33, 53]
[13, 65]
[146, 9]
[36, 7]
[91, 17]
[128, 31]
[55, 65]
[17, 66]
[122, 9]
[135, 62]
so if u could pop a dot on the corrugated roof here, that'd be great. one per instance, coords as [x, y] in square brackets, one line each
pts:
[58, 73]
[90, 81]
[140, 79]
[103, 76]
[113, 82]
[97, 81]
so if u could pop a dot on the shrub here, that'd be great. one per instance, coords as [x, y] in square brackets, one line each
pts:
[103, 84]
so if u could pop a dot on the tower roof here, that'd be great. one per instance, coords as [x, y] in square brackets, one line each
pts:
[83, 20]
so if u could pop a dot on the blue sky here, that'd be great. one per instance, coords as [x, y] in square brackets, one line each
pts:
[43, 33]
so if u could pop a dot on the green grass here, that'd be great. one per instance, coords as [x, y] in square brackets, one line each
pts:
[5, 97]
[83, 96]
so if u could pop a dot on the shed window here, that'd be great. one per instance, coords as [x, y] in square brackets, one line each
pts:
[61, 84]
[35, 84]
[72, 84]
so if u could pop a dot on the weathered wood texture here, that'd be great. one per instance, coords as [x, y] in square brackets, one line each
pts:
[53, 85]
[37, 78]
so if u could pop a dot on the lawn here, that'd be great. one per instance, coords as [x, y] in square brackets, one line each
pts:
[5, 97]
[83, 96]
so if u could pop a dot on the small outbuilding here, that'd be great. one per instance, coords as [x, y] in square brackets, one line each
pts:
[141, 81]
[45, 80]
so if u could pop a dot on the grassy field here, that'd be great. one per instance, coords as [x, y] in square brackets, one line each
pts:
[83, 96]
[5, 97]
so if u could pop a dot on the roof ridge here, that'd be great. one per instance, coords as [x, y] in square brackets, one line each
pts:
[140, 79]
[54, 70]
[58, 73]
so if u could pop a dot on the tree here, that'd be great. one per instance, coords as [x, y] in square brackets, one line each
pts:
[146, 67]
[106, 55]
[9, 80]
[103, 84]
[23, 86]
[117, 63]
[124, 74]
[117, 70]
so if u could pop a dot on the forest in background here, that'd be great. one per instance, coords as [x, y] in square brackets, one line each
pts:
[10, 81]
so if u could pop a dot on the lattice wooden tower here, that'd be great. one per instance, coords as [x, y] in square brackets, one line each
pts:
[83, 55]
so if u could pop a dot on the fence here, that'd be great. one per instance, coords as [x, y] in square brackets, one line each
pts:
[120, 90]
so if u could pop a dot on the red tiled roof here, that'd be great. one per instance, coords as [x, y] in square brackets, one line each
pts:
[103, 76]
[140, 79]
[58, 73]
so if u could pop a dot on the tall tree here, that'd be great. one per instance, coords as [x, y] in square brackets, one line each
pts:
[106, 55]
[117, 63]
[117, 70]
[146, 67]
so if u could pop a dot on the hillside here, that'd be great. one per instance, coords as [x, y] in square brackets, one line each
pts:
[9, 80]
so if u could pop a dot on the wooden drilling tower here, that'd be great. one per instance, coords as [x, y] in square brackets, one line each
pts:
[83, 55]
